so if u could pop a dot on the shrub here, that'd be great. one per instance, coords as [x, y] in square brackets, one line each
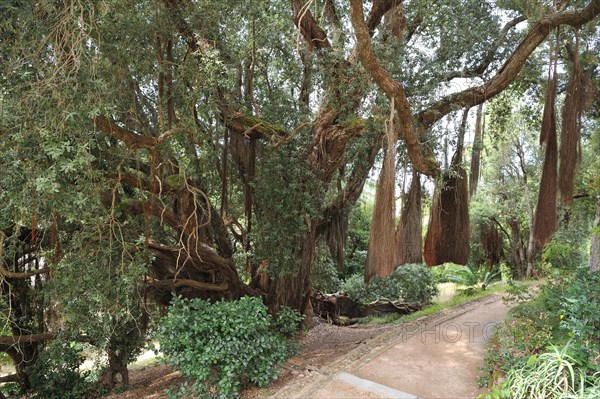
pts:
[324, 274]
[224, 346]
[56, 375]
[563, 320]
[474, 280]
[553, 374]
[408, 283]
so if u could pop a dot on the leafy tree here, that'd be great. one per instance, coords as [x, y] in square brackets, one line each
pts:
[152, 145]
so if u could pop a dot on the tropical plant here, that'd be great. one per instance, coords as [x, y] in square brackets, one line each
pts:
[471, 278]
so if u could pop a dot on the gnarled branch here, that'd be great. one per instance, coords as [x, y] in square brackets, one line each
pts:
[393, 89]
[25, 339]
[512, 66]
[314, 35]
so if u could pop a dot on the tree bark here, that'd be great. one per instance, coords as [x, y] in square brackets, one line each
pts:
[381, 256]
[516, 248]
[476, 153]
[409, 232]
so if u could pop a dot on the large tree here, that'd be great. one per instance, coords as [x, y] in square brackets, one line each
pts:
[206, 140]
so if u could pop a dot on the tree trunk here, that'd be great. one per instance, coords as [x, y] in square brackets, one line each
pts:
[117, 374]
[448, 233]
[447, 238]
[294, 290]
[476, 153]
[516, 248]
[595, 244]
[381, 257]
[409, 232]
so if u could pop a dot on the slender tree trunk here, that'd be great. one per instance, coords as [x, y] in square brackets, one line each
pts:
[516, 248]
[476, 153]
[595, 244]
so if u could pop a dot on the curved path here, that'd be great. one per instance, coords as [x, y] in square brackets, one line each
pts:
[434, 357]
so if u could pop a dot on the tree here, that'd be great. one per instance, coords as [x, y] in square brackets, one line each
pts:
[447, 238]
[208, 140]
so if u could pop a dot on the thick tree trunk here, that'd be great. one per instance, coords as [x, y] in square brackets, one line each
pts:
[447, 238]
[409, 232]
[117, 374]
[381, 256]
[448, 233]
[294, 290]
[594, 263]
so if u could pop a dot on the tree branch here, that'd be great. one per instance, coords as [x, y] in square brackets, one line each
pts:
[21, 275]
[379, 9]
[25, 339]
[488, 57]
[314, 35]
[10, 378]
[199, 285]
[512, 66]
[393, 89]
[132, 140]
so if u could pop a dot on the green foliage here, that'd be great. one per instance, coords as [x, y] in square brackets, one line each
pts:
[288, 320]
[289, 196]
[225, 346]
[56, 374]
[11, 390]
[564, 315]
[324, 275]
[561, 253]
[409, 283]
[473, 280]
[553, 374]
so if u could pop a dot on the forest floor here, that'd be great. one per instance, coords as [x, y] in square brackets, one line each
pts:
[436, 356]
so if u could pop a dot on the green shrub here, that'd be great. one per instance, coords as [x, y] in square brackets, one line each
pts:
[224, 346]
[324, 275]
[408, 283]
[56, 374]
[553, 374]
[11, 390]
[565, 314]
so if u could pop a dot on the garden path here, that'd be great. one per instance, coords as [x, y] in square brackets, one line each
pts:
[434, 357]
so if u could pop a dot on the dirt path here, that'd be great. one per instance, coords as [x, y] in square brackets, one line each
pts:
[434, 357]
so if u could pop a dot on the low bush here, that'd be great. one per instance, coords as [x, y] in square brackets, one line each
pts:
[56, 374]
[225, 346]
[409, 283]
[562, 321]
[553, 374]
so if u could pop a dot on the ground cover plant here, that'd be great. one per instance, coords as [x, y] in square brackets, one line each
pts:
[549, 346]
